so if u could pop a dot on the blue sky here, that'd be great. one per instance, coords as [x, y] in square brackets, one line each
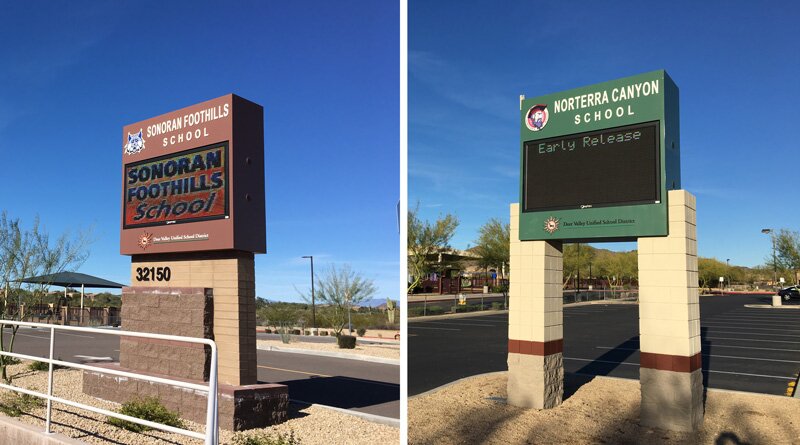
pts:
[74, 73]
[736, 64]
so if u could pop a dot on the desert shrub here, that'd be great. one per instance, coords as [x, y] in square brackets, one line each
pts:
[148, 408]
[346, 341]
[497, 305]
[323, 333]
[467, 308]
[361, 332]
[42, 366]
[39, 366]
[431, 310]
[14, 404]
[306, 332]
[295, 331]
[263, 438]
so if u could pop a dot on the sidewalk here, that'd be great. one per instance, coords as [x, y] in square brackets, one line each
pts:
[419, 298]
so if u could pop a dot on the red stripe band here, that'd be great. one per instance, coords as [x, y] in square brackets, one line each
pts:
[666, 362]
[535, 347]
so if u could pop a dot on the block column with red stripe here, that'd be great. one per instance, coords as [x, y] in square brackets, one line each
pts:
[669, 322]
[535, 321]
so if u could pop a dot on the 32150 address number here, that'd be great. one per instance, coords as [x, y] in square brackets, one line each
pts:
[153, 274]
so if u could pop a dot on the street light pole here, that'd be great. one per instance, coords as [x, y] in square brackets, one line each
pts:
[313, 306]
[774, 264]
[728, 270]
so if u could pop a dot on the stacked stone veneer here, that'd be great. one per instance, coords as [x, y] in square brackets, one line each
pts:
[231, 275]
[669, 322]
[187, 312]
[209, 295]
[535, 328]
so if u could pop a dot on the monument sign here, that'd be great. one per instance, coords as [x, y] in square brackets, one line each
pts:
[602, 163]
[192, 218]
[597, 162]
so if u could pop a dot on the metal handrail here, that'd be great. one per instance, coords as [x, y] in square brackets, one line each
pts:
[211, 435]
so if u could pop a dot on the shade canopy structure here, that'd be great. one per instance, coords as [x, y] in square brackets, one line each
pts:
[72, 279]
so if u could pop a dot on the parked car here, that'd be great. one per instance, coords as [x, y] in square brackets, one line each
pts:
[789, 292]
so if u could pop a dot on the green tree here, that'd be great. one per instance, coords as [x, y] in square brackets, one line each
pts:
[787, 252]
[425, 240]
[492, 245]
[614, 267]
[340, 289]
[709, 270]
[28, 252]
[576, 259]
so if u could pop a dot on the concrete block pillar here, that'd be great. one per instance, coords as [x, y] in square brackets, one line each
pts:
[535, 326]
[669, 322]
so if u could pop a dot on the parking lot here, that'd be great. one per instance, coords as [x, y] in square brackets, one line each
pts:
[745, 349]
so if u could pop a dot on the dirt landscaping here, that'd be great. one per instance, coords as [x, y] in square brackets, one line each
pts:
[312, 425]
[597, 410]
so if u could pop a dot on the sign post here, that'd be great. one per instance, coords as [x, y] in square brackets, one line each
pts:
[602, 163]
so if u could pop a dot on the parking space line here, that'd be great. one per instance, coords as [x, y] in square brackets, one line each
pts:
[461, 324]
[411, 326]
[754, 318]
[710, 370]
[294, 371]
[33, 336]
[75, 335]
[756, 333]
[751, 339]
[712, 355]
[754, 348]
[748, 327]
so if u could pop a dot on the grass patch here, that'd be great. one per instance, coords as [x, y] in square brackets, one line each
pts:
[15, 404]
[148, 408]
[262, 438]
[42, 366]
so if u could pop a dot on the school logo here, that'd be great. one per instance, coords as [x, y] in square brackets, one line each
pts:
[145, 240]
[551, 225]
[135, 143]
[537, 117]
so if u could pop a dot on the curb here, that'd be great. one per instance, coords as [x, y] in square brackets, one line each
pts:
[503, 311]
[769, 306]
[344, 355]
[374, 418]
[14, 431]
[461, 315]
[615, 301]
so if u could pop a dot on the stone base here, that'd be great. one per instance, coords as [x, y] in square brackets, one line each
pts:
[671, 400]
[535, 381]
[240, 407]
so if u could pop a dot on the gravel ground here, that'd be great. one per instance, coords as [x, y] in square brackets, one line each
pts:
[604, 410]
[385, 351]
[312, 425]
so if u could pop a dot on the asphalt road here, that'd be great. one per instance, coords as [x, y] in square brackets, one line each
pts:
[372, 388]
[744, 349]
[350, 384]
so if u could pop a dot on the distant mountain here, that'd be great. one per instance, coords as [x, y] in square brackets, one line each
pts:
[377, 302]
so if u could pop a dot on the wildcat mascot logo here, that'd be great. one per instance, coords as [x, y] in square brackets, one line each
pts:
[536, 117]
[135, 143]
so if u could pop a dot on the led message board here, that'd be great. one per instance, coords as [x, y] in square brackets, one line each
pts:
[184, 187]
[193, 180]
[596, 162]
